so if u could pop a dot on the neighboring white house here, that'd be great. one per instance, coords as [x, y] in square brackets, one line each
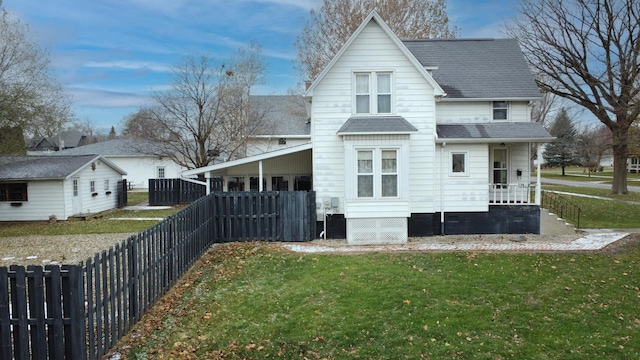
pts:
[133, 156]
[412, 138]
[36, 188]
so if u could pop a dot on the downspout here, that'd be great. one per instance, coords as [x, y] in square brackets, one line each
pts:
[538, 184]
[442, 170]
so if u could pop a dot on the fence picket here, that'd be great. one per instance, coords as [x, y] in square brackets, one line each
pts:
[48, 313]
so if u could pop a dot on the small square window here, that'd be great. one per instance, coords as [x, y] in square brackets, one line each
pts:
[282, 141]
[500, 110]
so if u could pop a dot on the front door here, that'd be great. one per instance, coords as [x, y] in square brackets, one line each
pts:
[499, 168]
[76, 199]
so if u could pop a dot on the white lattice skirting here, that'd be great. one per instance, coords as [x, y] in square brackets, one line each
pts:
[377, 231]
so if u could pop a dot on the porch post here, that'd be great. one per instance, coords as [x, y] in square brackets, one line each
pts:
[207, 179]
[260, 176]
[538, 185]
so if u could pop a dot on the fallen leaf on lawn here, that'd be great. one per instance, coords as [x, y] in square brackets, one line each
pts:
[407, 302]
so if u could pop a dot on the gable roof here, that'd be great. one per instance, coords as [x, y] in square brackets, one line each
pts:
[47, 167]
[374, 16]
[494, 133]
[477, 68]
[280, 115]
[360, 125]
[115, 147]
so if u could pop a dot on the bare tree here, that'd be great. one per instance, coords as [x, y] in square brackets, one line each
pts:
[205, 114]
[589, 53]
[329, 27]
[30, 97]
[593, 144]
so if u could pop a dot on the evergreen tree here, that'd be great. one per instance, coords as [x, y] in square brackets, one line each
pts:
[563, 151]
[112, 133]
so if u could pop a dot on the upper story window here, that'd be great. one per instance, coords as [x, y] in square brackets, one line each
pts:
[373, 93]
[500, 110]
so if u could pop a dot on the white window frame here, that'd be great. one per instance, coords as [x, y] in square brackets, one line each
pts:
[92, 186]
[164, 172]
[494, 108]
[373, 92]
[106, 184]
[377, 171]
[465, 164]
[493, 168]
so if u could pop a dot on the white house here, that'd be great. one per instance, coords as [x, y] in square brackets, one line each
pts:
[412, 138]
[133, 156]
[34, 188]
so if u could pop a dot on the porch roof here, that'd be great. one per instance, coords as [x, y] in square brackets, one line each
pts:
[361, 125]
[493, 133]
[249, 159]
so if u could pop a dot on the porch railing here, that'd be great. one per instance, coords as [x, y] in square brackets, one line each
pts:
[511, 194]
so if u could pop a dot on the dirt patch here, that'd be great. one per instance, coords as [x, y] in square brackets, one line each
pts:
[623, 245]
[59, 249]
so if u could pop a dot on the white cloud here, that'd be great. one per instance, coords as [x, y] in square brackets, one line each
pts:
[128, 65]
[103, 98]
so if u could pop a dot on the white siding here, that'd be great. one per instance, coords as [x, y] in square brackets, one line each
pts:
[101, 201]
[262, 145]
[468, 192]
[140, 169]
[332, 106]
[45, 198]
[465, 112]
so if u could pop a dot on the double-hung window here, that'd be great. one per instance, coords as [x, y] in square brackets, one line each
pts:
[373, 93]
[500, 110]
[377, 173]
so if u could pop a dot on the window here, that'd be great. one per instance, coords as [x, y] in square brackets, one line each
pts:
[75, 187]
[254, 184]
[106, 184]
[92, 186]
[500, 110]
[235, 183]
[161, 173]
[377, 173]
[13, 192]
[373, 93]
[302, 183]
[279, 183]
[458, 163]
[500, 166]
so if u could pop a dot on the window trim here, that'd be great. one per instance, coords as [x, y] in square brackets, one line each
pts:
[92, 186]
[494, 108]
[506, 168]
[164, 172]
[377, 172]
[465, 164]
[373, 92]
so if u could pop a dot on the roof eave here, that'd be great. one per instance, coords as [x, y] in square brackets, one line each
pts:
[448, 99]
[492, 140]
[408, 132]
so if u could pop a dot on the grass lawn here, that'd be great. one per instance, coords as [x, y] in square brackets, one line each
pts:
[254, 301]
[631, 196]
[577, 174]
[137, 197]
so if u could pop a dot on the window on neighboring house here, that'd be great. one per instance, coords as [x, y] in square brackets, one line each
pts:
[373, 93]
[377, 173]
[92, 186]
[458, 163]
[254, 184]
[282, 141]
[13, 192]
[161, 172]
[500, 110]
[500, 166]
[302, 183]
[75, 187]
[106, 184]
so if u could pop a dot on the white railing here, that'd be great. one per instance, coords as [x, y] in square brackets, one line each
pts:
[510, 194]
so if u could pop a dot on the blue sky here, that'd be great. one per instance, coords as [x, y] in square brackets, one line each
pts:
[110, 55]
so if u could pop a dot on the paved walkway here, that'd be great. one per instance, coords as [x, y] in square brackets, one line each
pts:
[589, 242]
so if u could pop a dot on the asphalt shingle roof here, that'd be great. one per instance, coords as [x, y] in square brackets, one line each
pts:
[115, 147]
[522, 130]
[376, 124]
[477, 68]
[41, 167]
[280, 115]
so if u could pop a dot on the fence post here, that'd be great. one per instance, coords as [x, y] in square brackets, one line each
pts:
[74, 305]
[5, 324]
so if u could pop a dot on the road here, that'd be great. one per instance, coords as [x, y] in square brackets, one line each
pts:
[590, 184]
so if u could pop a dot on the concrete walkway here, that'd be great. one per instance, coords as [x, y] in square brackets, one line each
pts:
[589, 242]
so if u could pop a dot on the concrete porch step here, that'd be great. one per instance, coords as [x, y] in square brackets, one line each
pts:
[551, 224]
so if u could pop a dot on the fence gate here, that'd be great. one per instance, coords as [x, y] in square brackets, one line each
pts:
[122, 193]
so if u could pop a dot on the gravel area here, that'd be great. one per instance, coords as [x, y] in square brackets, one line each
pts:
[73, 249]
[59, 249]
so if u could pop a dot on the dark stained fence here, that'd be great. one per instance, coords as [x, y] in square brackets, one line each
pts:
[174, 191]
[80, 311]
[122, 193]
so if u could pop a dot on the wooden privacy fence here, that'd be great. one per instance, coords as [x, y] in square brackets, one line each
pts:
[80, 311]
[179, 191]
[122, 193]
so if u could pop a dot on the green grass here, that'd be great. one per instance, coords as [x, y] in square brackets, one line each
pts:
[605, 214]
[576, 174]
[632, 196]
[251, 301]
[136, 197]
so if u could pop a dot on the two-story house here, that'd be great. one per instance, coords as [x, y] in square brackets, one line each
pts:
[412, 138]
